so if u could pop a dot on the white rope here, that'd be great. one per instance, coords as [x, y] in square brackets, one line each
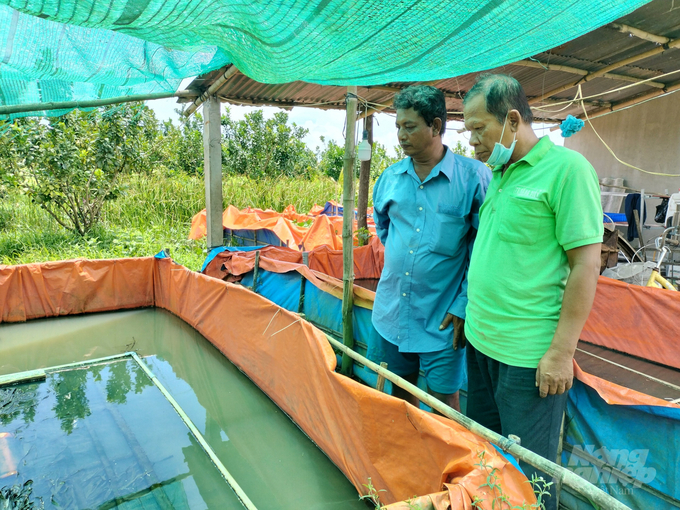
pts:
[585, 114]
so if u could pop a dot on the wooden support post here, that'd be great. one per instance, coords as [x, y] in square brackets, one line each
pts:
[212, 171]
[380, 385]
[364, 183]
[301, 303]
[347, 229]
[256, 270]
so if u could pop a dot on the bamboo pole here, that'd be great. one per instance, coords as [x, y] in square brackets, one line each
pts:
[384, 105]
[566, 477]
[90, 103]
[641, 34]
[671, 87]
[212, 90]
[596, 74]
[583, 72]
[347, 228]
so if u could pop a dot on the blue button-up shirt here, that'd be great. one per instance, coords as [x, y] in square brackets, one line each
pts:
[428, 228]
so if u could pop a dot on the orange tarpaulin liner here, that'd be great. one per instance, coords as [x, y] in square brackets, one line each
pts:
[322, 230]
[281, 260]
[627, 318]
[403, 450]
[636, 320]
[368, 260]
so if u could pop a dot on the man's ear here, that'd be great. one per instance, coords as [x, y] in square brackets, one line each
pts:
[436, 126]
[514, 118]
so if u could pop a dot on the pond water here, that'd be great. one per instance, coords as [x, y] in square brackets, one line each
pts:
[107, 425]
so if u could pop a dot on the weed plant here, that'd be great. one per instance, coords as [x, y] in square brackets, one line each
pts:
[153, 212]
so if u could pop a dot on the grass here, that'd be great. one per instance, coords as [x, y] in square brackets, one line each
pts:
[153, 213]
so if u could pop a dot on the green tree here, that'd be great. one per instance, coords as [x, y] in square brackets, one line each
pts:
[460, 149]
[183, 144]
[380, 160]
[331, 158]
[259, 147]
[71, 398]
[70, 165]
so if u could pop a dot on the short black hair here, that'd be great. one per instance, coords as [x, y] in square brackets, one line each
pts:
[502, 93]
[428, 101]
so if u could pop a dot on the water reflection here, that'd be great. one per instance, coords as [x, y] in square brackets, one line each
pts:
[18, 401]
[105, 437]
[272, 460]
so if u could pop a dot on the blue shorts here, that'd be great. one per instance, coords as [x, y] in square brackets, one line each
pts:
[445, 371]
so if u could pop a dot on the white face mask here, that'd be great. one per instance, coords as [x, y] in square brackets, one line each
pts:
[502, 154]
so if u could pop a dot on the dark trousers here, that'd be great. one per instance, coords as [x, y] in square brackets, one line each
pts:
[505, 399]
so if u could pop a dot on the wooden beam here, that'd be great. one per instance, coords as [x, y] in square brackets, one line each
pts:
[386, 103]
[550, 67]
[641, 34]
[213, 89]
[563, 101]
[283, 103]
[347, 230]
[583, 72]
[675, 43]
[212, 171]
[91, 103]
[672, 87]
[387, 88]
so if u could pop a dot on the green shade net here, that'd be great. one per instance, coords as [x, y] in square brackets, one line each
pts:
[106, 49]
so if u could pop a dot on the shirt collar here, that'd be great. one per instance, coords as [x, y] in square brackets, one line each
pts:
[445, 166]
[535, 154]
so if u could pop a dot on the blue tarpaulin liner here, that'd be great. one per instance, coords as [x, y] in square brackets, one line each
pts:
[641, 441]
[615, 218]
[59, 50]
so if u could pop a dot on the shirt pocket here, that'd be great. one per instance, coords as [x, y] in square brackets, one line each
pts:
[449, 228]
[523, 221]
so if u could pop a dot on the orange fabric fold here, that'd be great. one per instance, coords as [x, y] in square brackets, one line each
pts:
[403, 450]
[300, 232]
[635, 320]
[368, 261]
[614, 394]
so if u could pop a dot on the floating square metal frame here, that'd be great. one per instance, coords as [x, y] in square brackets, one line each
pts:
[42, 373]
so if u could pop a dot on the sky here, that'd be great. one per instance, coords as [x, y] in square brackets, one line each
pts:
[330, 124]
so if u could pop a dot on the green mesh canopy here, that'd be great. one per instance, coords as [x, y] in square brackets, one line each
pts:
[62, 50]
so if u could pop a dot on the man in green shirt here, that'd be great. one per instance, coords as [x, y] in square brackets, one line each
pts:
[533, 271]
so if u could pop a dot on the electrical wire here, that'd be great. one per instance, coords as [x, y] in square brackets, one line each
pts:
[617, 89]
[585, 114]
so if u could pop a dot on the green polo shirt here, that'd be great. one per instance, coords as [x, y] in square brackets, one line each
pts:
[544, 205]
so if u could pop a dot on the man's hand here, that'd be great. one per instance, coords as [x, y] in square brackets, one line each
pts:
[555, 373]
[459, 339]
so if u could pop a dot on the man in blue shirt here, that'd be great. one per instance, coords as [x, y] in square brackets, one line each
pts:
[426, 214]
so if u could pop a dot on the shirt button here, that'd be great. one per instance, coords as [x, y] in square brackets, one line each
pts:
[417, 230]
[500, 190]
[421, 187]
[411, 251]
[420, 208]
[406, 273]
[404, 294]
